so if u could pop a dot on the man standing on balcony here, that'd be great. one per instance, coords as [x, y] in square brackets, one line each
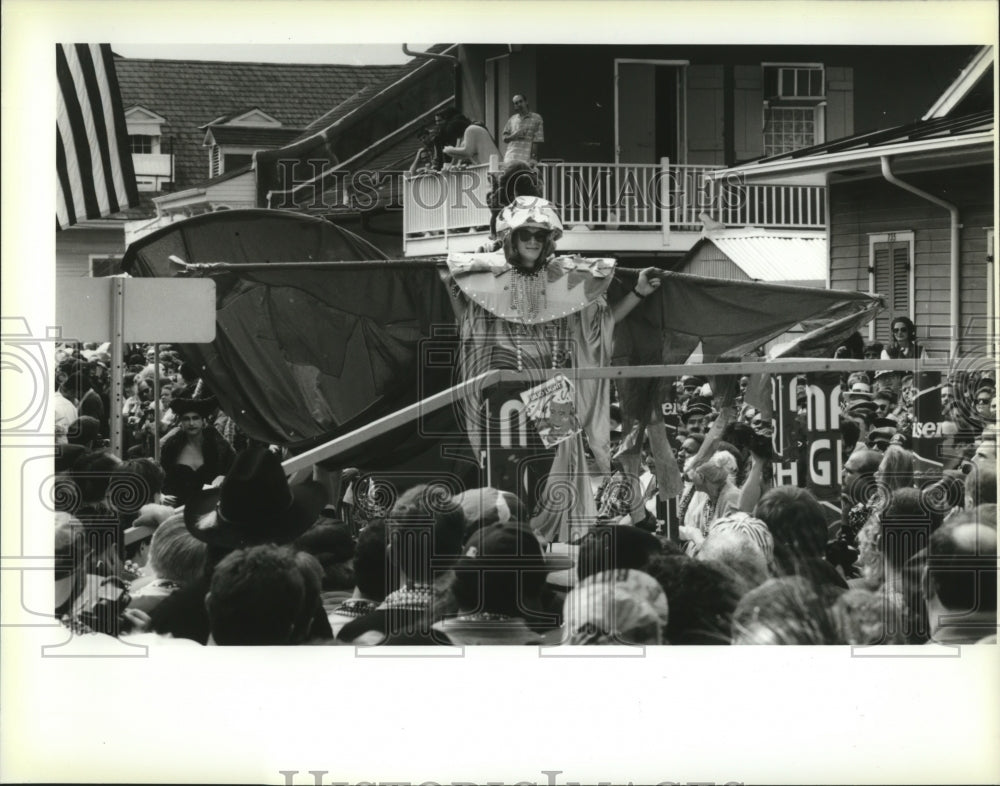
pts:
[523, 132]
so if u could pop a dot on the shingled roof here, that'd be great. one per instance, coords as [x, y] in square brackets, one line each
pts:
[248, 136]
[191, 93]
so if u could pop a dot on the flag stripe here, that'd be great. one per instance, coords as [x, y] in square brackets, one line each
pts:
[92, 133]
[126, 189]
[81, 63]
[93, 160]
[73, 196]
[74, 130]
[65, 215]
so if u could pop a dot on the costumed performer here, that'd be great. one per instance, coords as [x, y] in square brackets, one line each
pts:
[526, 309]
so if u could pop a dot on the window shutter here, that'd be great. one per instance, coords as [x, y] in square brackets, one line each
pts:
[901, 278]
[891, 261]
[883, 287]
[748, 112]
[705, 113]
[215, 163]
[839, 103]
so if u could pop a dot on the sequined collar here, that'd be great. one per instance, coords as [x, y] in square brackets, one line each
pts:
[565, 286]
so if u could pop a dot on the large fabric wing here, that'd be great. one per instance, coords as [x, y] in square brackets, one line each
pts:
[303, 355]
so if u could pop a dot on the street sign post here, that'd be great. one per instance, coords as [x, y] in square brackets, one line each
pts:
[127, 310]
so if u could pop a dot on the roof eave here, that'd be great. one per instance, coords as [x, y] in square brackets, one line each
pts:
[822, 164]
[965, 81]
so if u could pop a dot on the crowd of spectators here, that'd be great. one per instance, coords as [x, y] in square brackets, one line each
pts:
[232, 554]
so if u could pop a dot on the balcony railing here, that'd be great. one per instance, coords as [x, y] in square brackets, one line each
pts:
[639, 197]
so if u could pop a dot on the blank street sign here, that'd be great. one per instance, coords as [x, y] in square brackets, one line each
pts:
[174, 310]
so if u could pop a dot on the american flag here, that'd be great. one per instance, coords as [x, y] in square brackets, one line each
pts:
[93, 159]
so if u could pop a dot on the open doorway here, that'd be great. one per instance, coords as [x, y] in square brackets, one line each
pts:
[649, 111]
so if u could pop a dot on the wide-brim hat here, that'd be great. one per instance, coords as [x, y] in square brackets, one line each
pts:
[508, 547]
[529, 211]
[859, 407]
[254, 505]
[880, 435]
[200, 406]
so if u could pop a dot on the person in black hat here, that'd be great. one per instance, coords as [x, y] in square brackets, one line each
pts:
[194, 454]
[254, 505]
[695, 417]
[498, 585]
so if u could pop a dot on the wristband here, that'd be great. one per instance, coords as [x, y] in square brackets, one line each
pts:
[637, 293]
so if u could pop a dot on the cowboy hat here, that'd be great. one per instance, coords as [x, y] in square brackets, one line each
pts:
[254, 505]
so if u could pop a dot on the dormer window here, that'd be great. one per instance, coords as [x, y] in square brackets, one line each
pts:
[151, 157]
[143, 143]
[233, 139]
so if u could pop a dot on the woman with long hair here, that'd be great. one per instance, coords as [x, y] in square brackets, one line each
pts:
[903, 343]
[194, 454]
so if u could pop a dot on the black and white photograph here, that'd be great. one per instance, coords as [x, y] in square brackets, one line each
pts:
[658, 339]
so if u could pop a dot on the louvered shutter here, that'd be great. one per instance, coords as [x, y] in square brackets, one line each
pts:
[891, 263]
[215, 162]
[901, 278]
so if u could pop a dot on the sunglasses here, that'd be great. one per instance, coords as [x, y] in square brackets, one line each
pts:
[524, 235]
[900, 330]
[984, 401]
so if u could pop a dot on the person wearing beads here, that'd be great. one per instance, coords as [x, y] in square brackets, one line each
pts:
[528, 309]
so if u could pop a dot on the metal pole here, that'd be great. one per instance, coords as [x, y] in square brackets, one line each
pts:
[389, 422]
[351, 264]
[407, 414]
[117, 378]
[156, 403]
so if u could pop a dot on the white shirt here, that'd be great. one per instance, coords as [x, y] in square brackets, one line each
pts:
[65, 414]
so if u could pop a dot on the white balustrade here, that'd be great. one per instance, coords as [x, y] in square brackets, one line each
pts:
[652, 197]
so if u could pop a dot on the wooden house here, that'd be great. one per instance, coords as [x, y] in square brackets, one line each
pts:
[911, 213]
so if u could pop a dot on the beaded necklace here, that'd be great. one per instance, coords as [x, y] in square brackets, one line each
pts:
[484, 616]
[555, 332]
[416, 597]
[527, 291]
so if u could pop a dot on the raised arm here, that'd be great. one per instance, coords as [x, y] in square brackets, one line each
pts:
[646, 285]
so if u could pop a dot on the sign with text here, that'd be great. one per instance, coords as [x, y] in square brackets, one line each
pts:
[518, 459]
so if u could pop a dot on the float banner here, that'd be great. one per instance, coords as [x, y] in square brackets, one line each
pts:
[927, 437]
[788, 439]
[823, 443]
[518, 460]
